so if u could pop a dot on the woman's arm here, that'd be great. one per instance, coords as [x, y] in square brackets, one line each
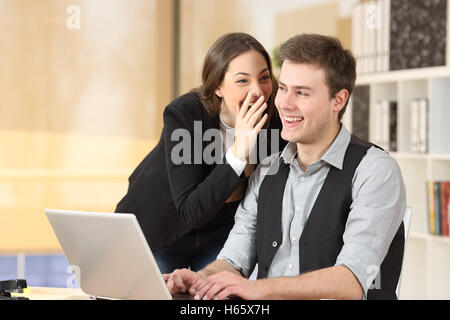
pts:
[197, 197]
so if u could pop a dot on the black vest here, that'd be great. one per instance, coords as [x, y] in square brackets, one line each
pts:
[322, 237]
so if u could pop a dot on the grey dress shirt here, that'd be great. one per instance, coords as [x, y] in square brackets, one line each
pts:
[377, 209]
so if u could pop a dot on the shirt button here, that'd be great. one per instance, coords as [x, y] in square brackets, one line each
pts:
[290, 266]
[297, 208]
[302, 179]
[294, 238]
[274, 244]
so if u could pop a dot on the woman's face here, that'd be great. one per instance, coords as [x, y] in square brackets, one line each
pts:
[248, 72]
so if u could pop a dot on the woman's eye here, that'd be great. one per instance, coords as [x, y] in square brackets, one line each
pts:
[241, 81]
[265, 78]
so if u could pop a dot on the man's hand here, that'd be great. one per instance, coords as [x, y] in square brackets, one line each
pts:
[181, 280]
[228, 285]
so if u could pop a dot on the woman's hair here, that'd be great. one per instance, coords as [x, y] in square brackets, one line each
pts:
[216, 63]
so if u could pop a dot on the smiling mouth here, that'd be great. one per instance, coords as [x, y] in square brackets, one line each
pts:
[292, 121]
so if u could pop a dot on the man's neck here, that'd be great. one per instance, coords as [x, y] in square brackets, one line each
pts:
[308, 154]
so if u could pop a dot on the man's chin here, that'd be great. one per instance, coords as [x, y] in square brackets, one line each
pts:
[289, 136]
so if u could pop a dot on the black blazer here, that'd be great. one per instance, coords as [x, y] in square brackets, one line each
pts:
[169, 200]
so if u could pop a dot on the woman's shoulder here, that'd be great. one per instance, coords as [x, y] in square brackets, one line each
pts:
[188, 103]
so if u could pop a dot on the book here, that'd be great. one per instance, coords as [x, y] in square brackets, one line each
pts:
[414, 125]
[360, 112]
[392, 110]
[431, 205]
[423, 126]
[385, 33]
[357, 32]
[445, 197]
[419, 125]
[437, 208]
[417, 34]
[448, 208]
[385, 122]
[438, 201]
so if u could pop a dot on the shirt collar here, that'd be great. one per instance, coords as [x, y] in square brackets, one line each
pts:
[333, 156]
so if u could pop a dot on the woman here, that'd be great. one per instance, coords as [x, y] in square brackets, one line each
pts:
[184, 203]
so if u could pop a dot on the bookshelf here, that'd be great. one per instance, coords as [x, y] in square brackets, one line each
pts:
[427, 257]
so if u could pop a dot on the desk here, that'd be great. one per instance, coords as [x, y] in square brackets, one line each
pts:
[43, 293]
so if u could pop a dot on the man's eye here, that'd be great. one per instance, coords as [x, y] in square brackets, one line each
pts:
[301, 93]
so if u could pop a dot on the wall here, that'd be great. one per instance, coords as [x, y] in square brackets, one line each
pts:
[79, 107]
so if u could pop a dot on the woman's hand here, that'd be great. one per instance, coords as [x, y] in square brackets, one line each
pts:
[249, 121]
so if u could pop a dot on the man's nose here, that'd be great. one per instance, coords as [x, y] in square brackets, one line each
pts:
[285, 101]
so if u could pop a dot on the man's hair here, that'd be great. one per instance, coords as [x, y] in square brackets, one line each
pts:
[326, 52]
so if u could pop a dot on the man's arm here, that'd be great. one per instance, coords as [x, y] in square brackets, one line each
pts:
[336, 282]
[216, 267]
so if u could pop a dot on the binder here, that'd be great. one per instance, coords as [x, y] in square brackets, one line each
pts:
[431, 208]
[437, 198]
[414, 125]
[423, 126]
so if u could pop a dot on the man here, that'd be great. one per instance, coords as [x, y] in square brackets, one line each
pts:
[330, 219]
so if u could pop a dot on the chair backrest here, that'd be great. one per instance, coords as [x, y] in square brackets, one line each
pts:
[406, 225]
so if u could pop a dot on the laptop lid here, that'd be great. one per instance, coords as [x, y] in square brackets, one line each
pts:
[111, 254]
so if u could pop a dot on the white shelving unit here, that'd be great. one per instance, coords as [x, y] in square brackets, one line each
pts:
[427, 258]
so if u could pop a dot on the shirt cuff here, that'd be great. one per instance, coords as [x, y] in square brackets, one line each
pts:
[362, 262]
[237, 164]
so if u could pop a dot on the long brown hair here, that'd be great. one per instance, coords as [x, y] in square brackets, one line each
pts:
[216, 63]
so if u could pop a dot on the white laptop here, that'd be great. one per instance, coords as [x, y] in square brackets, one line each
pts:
[111, 254]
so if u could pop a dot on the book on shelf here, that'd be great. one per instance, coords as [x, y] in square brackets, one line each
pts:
[370, 36]
[417, 34]
[385, 124]
[419, 125]
[438, 199]
[360, 112]
[398, 34]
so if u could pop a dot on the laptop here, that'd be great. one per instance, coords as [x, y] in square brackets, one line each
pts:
[110, 254]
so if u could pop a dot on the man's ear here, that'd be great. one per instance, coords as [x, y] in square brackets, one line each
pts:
[340, 99]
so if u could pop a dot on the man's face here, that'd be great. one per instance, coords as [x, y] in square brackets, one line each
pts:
[303, 102]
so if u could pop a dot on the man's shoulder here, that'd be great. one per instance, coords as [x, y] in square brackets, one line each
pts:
[378, 162]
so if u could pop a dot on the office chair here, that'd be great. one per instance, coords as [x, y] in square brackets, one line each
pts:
[406, 224]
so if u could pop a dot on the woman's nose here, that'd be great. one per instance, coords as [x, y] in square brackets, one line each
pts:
[257, 92]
